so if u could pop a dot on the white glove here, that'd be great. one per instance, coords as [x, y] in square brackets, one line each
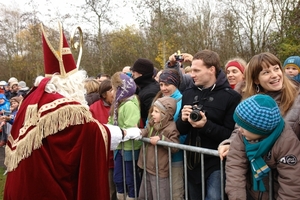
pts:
[132, 133]
[116, 136]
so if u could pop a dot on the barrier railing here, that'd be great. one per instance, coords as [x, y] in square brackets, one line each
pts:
[185, 148]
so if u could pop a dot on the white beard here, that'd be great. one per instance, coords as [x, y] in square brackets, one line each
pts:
[70, 87]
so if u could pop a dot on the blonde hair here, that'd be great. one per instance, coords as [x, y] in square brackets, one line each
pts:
[187, 69]
[241, 61]
[255, 66]
[91, 85]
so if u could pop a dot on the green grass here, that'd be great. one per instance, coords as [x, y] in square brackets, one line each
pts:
[2, 181]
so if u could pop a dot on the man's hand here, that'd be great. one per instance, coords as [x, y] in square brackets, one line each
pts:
[172, 59]
[187, 57]
[200, 123]
[185, 112]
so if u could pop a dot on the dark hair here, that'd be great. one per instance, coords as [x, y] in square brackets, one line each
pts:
[103, 75]
[104, 87]
[209, 58]
[98, 75]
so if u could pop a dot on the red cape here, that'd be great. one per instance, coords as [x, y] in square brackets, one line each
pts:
[64, 159]
[101, 113]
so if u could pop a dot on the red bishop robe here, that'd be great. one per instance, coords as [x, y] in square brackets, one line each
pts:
[56, 151]
[100, 111]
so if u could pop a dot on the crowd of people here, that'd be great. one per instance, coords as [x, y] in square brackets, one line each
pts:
[11, 94]
[71, 136]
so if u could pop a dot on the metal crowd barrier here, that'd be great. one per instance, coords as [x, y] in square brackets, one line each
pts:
[185, 148]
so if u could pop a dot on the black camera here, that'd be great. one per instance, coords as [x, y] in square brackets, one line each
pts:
[195, 114]
[178, 56]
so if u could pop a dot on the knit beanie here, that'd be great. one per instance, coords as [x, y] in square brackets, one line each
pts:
[170, 76]
[258, 114]
[143, 66]
[16, 99]
[293, 61]
[12, 79]
[235, 64]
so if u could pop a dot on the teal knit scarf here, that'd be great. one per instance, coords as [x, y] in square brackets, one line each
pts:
[255, 153]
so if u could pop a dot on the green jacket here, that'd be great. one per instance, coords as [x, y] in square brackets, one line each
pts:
[128, 116]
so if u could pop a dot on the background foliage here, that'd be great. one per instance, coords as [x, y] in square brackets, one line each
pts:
[230, 27]
[2, 182]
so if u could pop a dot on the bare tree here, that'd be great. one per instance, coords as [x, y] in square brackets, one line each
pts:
[96, 13]
[254, 21]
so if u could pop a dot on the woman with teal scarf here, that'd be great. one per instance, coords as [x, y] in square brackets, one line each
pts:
[265, 142]
[169, 81]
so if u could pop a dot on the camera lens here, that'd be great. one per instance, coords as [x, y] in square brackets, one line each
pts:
[195, 115]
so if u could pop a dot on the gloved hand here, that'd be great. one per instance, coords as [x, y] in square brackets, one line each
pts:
[132, 133]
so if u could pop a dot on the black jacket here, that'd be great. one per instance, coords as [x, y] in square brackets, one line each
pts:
[219, 103]
[147, 88]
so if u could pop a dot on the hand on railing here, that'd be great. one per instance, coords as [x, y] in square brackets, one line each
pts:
[223, 150]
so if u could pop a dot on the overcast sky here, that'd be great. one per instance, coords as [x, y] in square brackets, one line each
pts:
[123, 15]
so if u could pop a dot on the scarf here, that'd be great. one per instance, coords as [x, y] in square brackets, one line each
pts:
[124, 91]
[255, 153]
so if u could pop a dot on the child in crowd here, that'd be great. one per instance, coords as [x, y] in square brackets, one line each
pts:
[264, 143]
[125, 113]
[161, 126]
[4, 111]
[14, 105]
[9, 116]
[291, 67]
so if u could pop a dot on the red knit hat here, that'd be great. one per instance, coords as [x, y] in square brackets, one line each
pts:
[59, 61]
[237, 65]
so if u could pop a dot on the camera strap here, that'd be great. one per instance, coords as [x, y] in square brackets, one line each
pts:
[193, 158]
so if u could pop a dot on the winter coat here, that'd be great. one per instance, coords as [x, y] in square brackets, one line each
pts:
[292, 117]
[5, 106]
[167, 131]
[283, 159]
[147, 88]
[92, 97]
[219, 103]
[128, 116]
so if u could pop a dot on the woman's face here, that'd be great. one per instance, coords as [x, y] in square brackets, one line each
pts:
[270, 78]
[109, 96]
[167, 89]
[234, 75]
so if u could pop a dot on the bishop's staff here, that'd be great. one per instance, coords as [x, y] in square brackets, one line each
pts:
[77, 45]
